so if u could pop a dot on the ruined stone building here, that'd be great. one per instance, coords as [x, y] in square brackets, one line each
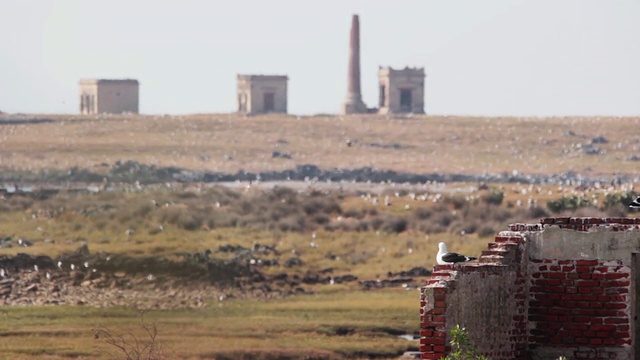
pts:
[564, 287]
[98, 96]
[401, 91]
[259, 94]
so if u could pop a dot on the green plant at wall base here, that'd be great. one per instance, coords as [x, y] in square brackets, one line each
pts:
[461, 348]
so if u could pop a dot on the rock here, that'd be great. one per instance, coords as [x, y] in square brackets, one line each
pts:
[86, 283]
[281, 155]
[294, 261]
[120, 274]
[599, 140]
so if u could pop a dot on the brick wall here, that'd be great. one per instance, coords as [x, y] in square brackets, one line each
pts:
[561, 287]
[488, 299]
[579, 304]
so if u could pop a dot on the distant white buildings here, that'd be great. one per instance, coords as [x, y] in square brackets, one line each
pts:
[401, 91]
[98, 96]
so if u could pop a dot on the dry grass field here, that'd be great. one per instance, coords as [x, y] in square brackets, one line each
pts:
[418, 144]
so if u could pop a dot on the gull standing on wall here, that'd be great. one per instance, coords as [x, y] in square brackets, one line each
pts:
[445, 258]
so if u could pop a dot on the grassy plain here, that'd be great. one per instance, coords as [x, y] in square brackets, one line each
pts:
[370, 240]
[353, 324]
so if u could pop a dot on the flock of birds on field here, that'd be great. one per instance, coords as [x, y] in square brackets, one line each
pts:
[4, 273]
[444, 256]
[435, 192]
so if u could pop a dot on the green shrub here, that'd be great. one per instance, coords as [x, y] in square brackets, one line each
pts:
[614, 200]
[487, 231]
[394, 224]
[461, 348]
[422, 213]
[567, 203]
[493, 197]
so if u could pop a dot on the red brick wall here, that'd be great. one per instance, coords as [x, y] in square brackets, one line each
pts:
[517, 306]
[575, 303]
[487, 298]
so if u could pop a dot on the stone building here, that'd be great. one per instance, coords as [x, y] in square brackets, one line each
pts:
[259, 94]
[401, 91]
[99, 96]
[564, 287]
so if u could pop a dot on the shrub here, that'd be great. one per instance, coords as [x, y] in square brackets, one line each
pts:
[538, 212]
[394, 224]
[317, 205]
[422, 213]
[469, 227]
[567, 203]
[357, 214]
[493, 197]
[131, 346]
[292, 223]
[486, 231]
[461, 348]
[189, 221]
[457, 202]
[321, 219]
[613, 200]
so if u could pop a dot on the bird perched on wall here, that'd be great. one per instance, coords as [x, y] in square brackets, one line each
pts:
[635, 203]
[445, 258]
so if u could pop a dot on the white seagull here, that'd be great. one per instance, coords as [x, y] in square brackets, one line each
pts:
[445, 258]
[635, 203]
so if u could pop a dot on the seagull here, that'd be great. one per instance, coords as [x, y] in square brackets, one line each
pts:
[444, 257]
[635, 203]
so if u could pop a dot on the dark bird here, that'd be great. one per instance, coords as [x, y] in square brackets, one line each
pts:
[444, 257]
[635, 203]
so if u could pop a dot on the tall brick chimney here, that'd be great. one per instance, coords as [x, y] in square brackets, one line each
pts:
[353, 103]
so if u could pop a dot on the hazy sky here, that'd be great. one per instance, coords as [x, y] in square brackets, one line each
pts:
[488, 57]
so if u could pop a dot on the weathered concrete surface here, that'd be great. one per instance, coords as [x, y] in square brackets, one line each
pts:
[599, 242]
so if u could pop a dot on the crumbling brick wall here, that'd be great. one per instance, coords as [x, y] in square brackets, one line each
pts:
[488, 299]
[579, 304]
[561, 287]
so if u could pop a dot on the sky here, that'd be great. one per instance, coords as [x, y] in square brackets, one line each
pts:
[484, 58]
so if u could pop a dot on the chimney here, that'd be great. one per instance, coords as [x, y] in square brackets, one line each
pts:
[353, 103]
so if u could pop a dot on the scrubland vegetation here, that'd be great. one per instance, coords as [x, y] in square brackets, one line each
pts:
[349, 228]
